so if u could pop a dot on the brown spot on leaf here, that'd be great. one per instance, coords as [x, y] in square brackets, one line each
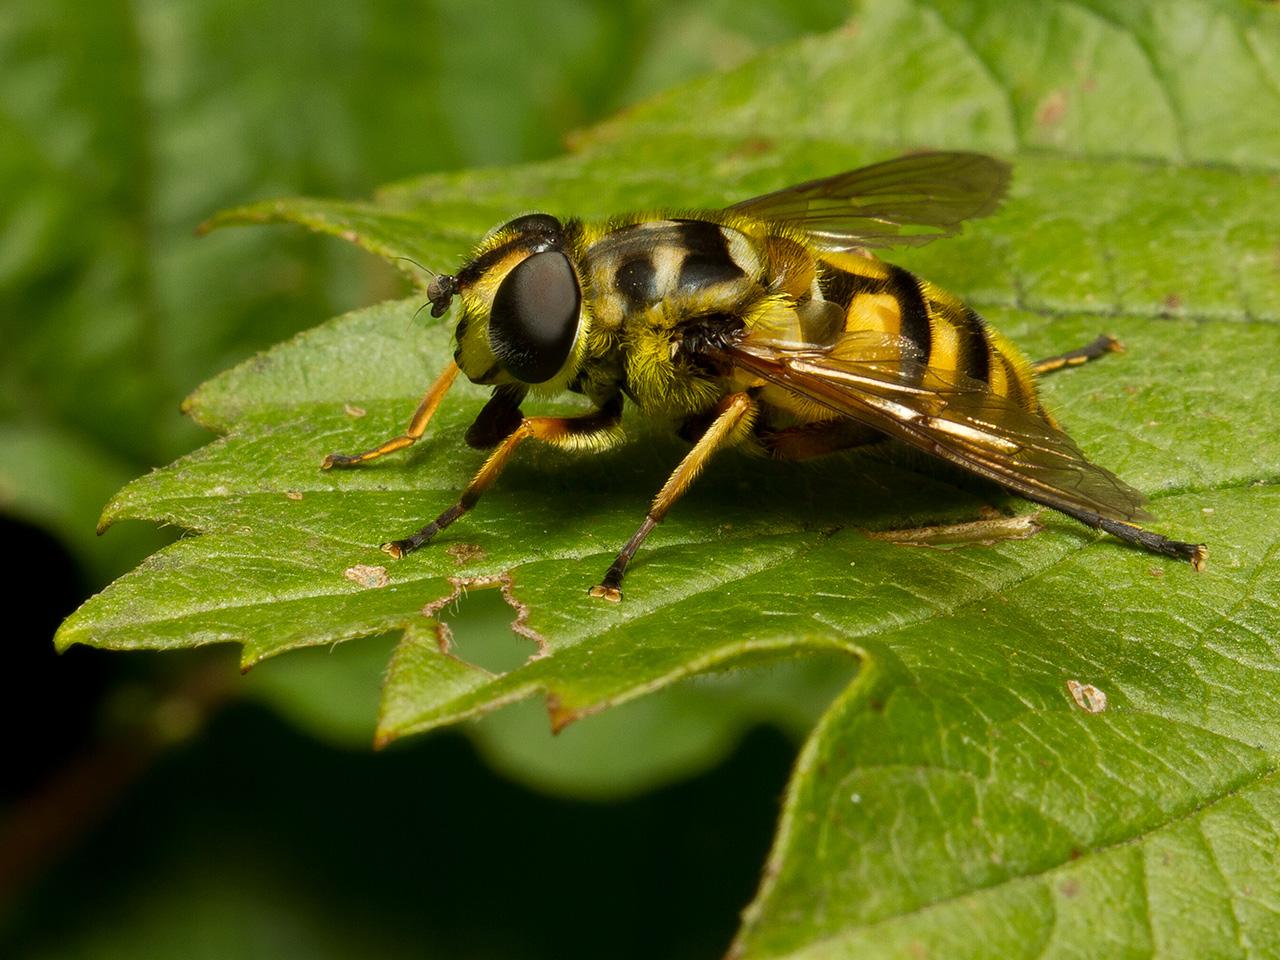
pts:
[1069, 887]
[754, 147]
[350, 236]
[985, 532]
[1087, 697]
[465, 552]
[371, 578]
[1052, 109]
[293, 494]
[351, 410]
[1172, 301]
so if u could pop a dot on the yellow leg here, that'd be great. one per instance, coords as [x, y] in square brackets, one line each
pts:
[732, 414]
[417, 426]
[1073, 358]
[594, 430]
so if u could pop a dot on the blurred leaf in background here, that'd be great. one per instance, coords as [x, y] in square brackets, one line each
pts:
[126, 124]
[123, 126]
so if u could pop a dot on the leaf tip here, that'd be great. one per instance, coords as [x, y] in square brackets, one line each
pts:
[110, 513]
[234, 216]
[67, 635]
[560, 715]
[249, 658]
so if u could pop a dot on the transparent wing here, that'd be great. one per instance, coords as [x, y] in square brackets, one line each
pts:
[909, 201]
[870, 378]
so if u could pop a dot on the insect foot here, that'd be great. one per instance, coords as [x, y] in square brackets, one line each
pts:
[398, 548]
[603, 592]
[338, 460]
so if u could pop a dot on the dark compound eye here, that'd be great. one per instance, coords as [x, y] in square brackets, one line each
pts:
[534, 320]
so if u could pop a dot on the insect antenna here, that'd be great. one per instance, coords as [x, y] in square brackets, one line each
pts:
[414, 318]
[427, 270]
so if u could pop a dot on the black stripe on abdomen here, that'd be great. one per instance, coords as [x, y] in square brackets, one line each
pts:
[975, 348]
[915, 313]
[841, 286]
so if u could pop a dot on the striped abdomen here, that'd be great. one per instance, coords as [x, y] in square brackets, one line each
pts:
[949, 334]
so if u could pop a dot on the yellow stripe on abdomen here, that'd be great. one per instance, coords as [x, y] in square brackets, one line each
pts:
[880, 312]
[944, 353]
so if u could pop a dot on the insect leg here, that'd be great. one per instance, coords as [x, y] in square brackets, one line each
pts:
[417, 425]
[732, 413]
[1194, 553]
[500, 416]
[597, 429]
[806, 440]
[1073, 358]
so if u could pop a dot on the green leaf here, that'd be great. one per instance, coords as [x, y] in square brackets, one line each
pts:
[126, 124]
[967, 795]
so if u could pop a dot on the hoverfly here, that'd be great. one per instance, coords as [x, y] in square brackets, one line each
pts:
[768, 325]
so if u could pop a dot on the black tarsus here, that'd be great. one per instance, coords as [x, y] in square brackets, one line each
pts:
[611, 586]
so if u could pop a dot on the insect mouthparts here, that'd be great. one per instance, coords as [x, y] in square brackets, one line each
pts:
[707, 333]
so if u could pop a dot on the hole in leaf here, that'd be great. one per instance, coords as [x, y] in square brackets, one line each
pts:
[479, 621]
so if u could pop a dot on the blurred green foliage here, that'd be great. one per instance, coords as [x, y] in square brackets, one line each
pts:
[126, 124]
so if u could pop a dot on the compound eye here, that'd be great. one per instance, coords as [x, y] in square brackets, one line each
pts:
[534, 319]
